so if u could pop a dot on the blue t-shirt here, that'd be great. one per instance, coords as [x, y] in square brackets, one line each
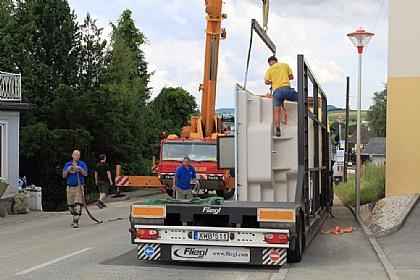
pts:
[72, 177]
[184, 177]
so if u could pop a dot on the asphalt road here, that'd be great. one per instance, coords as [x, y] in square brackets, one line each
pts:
[47, 247]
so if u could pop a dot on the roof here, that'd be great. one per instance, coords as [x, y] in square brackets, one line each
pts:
[376, 146]
[364, 137]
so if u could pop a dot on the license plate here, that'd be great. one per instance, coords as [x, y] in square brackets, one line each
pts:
[211, 236]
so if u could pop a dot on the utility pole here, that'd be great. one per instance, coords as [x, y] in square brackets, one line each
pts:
[346, 138]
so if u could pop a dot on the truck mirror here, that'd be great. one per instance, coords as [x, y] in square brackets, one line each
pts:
[157, 153]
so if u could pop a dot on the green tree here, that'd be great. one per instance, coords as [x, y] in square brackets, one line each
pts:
[92, 53]
[377, 113]
[127, 89]
[173, 109]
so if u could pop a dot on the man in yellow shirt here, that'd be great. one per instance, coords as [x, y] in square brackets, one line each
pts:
[279, 76]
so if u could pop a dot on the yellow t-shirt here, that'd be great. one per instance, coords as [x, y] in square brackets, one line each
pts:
[278, 74]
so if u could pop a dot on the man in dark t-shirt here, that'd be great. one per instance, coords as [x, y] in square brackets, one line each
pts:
[103, 179]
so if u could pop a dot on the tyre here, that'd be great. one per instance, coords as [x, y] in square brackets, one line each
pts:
[170, 192]
[226, 195]
[220, 193]
[229, 193]
[296, 254]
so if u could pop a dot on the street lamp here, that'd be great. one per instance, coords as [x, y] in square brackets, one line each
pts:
[360, 39]
[339, 121]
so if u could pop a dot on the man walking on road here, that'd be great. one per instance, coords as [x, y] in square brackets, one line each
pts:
[103, 179]
[75, 171]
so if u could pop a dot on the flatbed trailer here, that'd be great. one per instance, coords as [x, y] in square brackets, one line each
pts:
[242, 232]
[283, 190]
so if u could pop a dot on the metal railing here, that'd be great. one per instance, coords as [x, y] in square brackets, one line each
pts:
[10, 86]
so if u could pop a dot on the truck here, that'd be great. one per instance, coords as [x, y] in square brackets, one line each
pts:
[283, 187]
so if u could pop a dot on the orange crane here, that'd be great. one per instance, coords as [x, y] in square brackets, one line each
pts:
[206, 126]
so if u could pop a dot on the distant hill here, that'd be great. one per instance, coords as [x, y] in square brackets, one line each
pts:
[224, 111]
[333, 108]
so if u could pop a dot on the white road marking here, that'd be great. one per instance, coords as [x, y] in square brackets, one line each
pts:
[53, 261]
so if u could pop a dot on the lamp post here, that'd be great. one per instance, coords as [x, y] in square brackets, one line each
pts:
[360, 39]
[339, 121]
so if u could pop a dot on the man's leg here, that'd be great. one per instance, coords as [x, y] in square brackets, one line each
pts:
[277, 115]
[78, 205]
[189, 194]
[278, 101]
[77, 214]
[70, 202]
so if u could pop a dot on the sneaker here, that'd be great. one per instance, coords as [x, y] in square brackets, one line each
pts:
[278, 132]
[99, 203]
[103, 204]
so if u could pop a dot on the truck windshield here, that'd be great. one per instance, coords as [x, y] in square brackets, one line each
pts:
[176, 151]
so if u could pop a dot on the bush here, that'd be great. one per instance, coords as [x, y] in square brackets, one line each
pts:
[372, 186]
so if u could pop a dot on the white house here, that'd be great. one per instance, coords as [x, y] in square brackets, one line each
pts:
[10, 109]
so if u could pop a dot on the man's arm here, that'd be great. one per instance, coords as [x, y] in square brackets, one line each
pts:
[267, 82]
[65, 171]
[174, 182]
[291, 77]
[109, 177]
[96, 177]
[83, 171]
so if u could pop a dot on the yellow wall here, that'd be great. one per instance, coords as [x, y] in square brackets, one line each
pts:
[402, 134]
[403, 99]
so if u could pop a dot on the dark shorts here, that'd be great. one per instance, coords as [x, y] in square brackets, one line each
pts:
[103, 187]
[282, 93]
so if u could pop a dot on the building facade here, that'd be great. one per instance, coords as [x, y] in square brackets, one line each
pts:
[403, 98]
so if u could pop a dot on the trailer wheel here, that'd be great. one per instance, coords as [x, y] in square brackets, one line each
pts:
[296, 254]
[170, 192]
[229, 193]
[220, 193]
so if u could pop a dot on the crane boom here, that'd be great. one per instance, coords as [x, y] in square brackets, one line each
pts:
[214, 33]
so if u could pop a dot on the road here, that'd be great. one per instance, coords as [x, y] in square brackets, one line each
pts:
[49, 248]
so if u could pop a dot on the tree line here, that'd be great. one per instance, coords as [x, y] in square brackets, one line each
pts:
[85, 93]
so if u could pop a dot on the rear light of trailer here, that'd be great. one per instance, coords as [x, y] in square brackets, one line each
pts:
[147, 234]
[276, 238]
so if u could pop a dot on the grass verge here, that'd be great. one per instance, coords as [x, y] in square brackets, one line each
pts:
[372, 185]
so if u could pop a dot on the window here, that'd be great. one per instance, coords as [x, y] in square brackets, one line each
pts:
[176, 151]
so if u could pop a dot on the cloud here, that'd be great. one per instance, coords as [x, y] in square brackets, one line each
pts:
[317, 29]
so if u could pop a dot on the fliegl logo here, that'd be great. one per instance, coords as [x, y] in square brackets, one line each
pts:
[191, 253]
[211, 210]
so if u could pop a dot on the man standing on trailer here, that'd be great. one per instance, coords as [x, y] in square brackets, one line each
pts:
[182, 178]
[279, 76]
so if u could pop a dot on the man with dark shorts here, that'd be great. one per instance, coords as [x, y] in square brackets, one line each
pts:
[279, 76]
[102, 179]
[75, 172]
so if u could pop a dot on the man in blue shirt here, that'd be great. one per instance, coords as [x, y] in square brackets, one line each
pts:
[75, 172]
[182, 178]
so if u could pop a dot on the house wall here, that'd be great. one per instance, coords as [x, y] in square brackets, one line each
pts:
[403, 98]
[378, 160]
[9, 125]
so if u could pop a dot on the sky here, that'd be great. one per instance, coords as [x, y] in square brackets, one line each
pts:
[315, 28]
